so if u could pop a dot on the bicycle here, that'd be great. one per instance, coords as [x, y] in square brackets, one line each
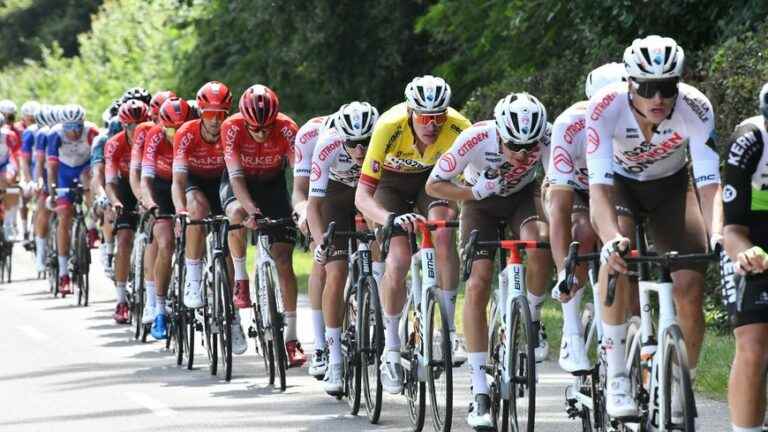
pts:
[427, 356]
[511, 335]
[6, 244]
[268, 309]
[52, 257]
[136, 291]
[182, 318]
[80, 263]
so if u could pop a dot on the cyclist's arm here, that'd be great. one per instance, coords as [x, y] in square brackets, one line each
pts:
[180, 168]
[325, 153]
[560, 225]
[54, 141]
[371, 174]
[97, 179]
[466, 148]
[300, 188]
[148, 165]
[743, 158]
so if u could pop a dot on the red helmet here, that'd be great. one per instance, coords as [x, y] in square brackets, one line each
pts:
[158, 99]
[133, 111]
[259, 105]
[174, 112]
[214, 96]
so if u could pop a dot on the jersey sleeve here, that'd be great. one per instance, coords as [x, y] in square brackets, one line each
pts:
[52, 147]
[41, 141]
[601, 116]
[326, 151]
[97, 150]
[151, 146]
[561, 169]
[288, 133]
[452, 163]
[546, 148]
[304, 147]
[744, 153]
[27, 142]
[111, 160]
[703, 153]
[229, 133]
[373, 164]
[181, 144]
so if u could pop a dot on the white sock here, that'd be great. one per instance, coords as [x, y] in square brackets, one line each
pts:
[614, 346]
[41, 246]
[476, 361]
[63, 265]
[151, 294]
[290, 326]
[110, 247]
[120, 291]
[240, 272]
[160, 305]
[534, 303]
[333, 339]
[318, 325]
[377, 268]
[194, 269]
[571, 318]
[747, 429]
[449, 302]
[391, 332]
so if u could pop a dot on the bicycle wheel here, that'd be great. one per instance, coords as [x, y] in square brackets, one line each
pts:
[276, 327]
[209, 326]
[9, 261]
[440, 369]
[521, 339]
[77, 273]
[371, 337]
[85, 269]
[179, 326]
[138, 289]
[187, 320]
[225, 313]
[350, 352]
[263, 345]
[415, 390]
[677, 374]
[499, 407]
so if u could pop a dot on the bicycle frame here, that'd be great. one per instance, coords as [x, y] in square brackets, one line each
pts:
[263, 261]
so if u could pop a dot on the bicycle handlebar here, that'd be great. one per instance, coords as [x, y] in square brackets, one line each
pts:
[387, 231]
[511, 245]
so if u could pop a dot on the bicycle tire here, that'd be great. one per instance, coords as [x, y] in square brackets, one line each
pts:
[77, 279]
[225, 313]
[440, 365]
[187, 321]
[676, 357]
[85, 269]
[586, 382]
[499, 409]
[522, 363]
[9, 262]
[138, 289]
[211, 339]
[262, 344]
[415, 390]
[179, 327]
[276, 327]
[351, 352]
[371, 330]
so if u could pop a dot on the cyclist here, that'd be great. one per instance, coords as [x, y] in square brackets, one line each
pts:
[156, 178]
[636, 156]
[39, 174]
[258, 141]
[8, 110]
[746, 239]
[407, 141]
[98, 187]
[13, 141]
[336, 163]
[566, 197]
[28, 111]
[69, 154]
[198, 165]
[306, 138]
[117, 157]
[498, 160]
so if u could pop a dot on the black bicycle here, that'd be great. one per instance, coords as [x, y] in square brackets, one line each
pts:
[80, 251]
[52, 257]
[183, 320]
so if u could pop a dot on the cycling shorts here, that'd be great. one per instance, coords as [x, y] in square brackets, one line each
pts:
[271, 196]
[485, 216]
[67, 178]
[338, 206]
[161, 193]
[127, 220]
[674, 219]
[209, 187]
[401, 193]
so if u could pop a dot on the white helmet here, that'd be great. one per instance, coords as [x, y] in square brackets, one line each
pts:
[72, 113]
[520, 118]
[428, 94]
[764, 100]
[30, 108]
[355, 120]
[7, 107]
[654, 57]
[604, 76]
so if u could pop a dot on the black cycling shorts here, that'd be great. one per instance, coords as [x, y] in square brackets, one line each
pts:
[127, 220]
[161, 193]
[210, 189]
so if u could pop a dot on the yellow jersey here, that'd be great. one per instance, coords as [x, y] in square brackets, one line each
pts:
[393, 147]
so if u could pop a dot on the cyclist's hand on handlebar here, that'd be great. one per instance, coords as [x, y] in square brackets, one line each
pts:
[486, 187]
[177, 225]
[557, 292]
[752, 260]
[251, 221]
[408, 221]
[715, 240]
[611, 252]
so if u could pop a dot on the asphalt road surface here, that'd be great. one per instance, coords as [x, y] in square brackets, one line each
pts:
[68, 368]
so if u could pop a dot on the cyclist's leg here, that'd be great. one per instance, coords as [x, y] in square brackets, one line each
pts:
[445, 250]
[10, 201]
[197, 205]
[163, 242]
[65, 212]
[90, 219]
[42, 216]
[125, 226]
[746, 385]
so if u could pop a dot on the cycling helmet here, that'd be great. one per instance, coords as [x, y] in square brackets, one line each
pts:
[114, 127]
[428, 94]
[604, 76]
[194, 110]
[259, 105]
[520, 119]
[355, 120]
[114, 109]
[72, 113]
[157, 101]
[7, 107]
[41, 117]
[30, 108]
[174, 112]
[214, 96]
[133, 112]
[137, 93]
[654, 57]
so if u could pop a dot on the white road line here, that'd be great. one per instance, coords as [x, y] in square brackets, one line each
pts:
[154, 405]
[33, 332]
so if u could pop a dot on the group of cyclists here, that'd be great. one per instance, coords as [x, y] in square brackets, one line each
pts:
[641, 144]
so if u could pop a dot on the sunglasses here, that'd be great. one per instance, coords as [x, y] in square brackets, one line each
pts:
[72, 127]
[425, 119]
[648, 89]
[351, 145]
[260, 129]
[518, 147]
[213, 115]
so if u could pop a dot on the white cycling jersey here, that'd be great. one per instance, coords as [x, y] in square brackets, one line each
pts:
[615, 143]
[477, 152]
[72, 153]
[304, 146]
[567, 161]
[331, 161]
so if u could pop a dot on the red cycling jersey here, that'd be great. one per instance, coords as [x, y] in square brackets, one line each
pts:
[158, 154]
[117, 157]
[139, 138]
[246, 157]
[194, 155]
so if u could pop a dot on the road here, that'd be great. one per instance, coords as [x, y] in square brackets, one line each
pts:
[67, 368]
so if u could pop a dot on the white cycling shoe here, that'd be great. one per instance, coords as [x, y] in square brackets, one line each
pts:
[620, 402]
[332, 381]
[479, 417]
[573, 354]
[541, 352]
[148, 316]
[318, 364]
[193, 294]
[239, 342]
[391, 372]
[459, 355]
